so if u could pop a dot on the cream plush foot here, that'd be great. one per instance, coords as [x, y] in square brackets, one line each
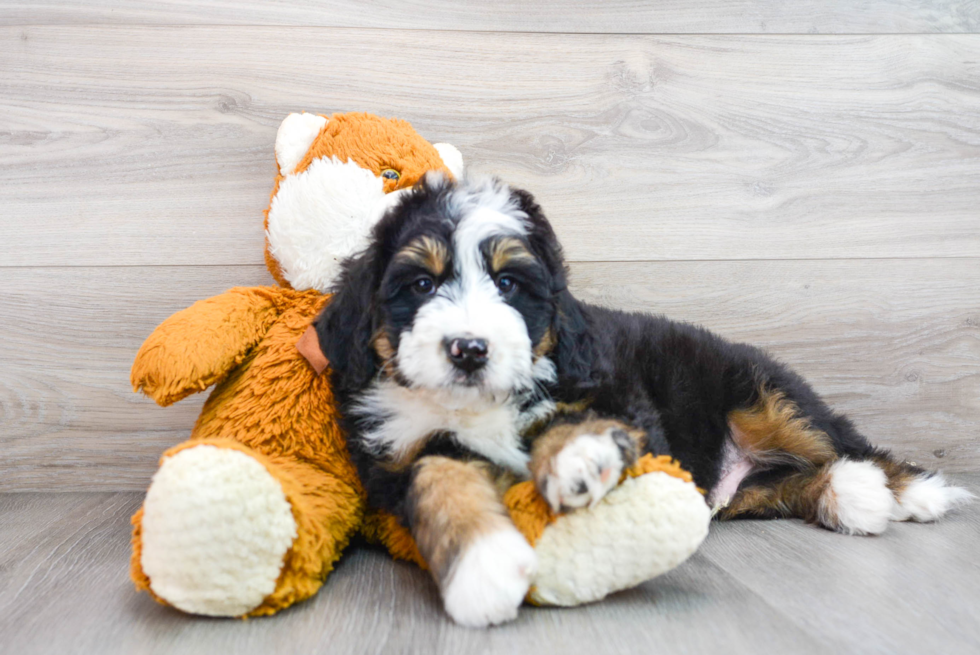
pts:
[642, 528]
[216, 526]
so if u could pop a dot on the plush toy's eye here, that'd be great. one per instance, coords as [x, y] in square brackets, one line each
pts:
[424, 286]
[391, 174]
[506, 284]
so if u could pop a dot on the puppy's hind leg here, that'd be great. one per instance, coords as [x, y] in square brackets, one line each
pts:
[847, 496]
[813, 480]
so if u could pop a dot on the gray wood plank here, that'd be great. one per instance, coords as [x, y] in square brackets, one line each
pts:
[753, 587]
[872, 595]
[68, 340]
[640, 148]
[623, 16]
[895, 343]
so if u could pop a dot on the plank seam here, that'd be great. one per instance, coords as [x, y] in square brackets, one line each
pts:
[937, 258]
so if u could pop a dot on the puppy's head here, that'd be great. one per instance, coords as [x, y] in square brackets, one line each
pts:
[461, 287]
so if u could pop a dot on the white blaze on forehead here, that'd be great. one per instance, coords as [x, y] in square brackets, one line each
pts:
[488, 209]
[476, 227]
[470, 305]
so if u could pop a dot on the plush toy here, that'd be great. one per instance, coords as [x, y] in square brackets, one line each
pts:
[250, 514]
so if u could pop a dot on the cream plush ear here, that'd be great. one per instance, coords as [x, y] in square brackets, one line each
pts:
[451, 157]
[294, 138]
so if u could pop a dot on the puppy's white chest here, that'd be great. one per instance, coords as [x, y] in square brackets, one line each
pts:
[494, 435]
[489, 428]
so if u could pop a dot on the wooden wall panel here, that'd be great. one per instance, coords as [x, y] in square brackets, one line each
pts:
[814, 194]
[589, 16]
[153, 146]
[894, 343]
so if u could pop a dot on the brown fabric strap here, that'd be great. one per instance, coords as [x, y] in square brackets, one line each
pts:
[309, 347]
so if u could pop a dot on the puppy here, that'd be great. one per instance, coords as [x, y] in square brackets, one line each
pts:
[462, 363]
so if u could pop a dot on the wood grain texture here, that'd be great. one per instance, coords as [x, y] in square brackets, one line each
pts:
[753, 587]
[894, 343]
[136, 145]
[68, 416]
[621, 16]
[871, 595]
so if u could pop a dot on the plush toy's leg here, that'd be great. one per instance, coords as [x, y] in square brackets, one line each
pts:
[650, 523]
[382, 528]
[228, 531]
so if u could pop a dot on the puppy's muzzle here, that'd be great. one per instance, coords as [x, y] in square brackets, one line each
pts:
[467, 354]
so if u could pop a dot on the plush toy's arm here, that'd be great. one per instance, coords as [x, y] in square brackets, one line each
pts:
[200, 345]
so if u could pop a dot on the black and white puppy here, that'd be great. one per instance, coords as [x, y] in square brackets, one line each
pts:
[462, 362]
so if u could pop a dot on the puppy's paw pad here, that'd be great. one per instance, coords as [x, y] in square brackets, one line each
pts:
[584, 471]
[490, 580]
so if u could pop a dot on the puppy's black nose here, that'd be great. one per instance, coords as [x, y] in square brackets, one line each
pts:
[467, 354]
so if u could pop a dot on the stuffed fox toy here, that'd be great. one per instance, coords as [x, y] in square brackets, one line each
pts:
[250, 514]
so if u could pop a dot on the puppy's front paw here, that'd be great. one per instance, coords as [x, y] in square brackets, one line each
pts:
[585, 469]
[490, 579]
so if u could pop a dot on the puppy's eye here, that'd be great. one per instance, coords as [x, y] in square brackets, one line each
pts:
[391, 174]
[506, 284]
[424, 286]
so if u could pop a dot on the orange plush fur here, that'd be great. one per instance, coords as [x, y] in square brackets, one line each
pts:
[268, 402]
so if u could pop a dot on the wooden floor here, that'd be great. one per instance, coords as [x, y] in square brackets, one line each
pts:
[803, 175]
[754, 587]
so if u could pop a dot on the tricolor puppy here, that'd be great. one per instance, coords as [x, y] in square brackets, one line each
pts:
[462, 362]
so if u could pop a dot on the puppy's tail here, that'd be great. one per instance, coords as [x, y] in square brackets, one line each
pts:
[920, 495]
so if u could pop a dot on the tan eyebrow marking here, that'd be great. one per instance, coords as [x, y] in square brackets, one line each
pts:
[431, 254]
[506, 250]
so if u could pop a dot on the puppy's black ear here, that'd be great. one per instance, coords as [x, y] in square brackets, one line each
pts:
[346, 325]
[576, 356]
[541, 236]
